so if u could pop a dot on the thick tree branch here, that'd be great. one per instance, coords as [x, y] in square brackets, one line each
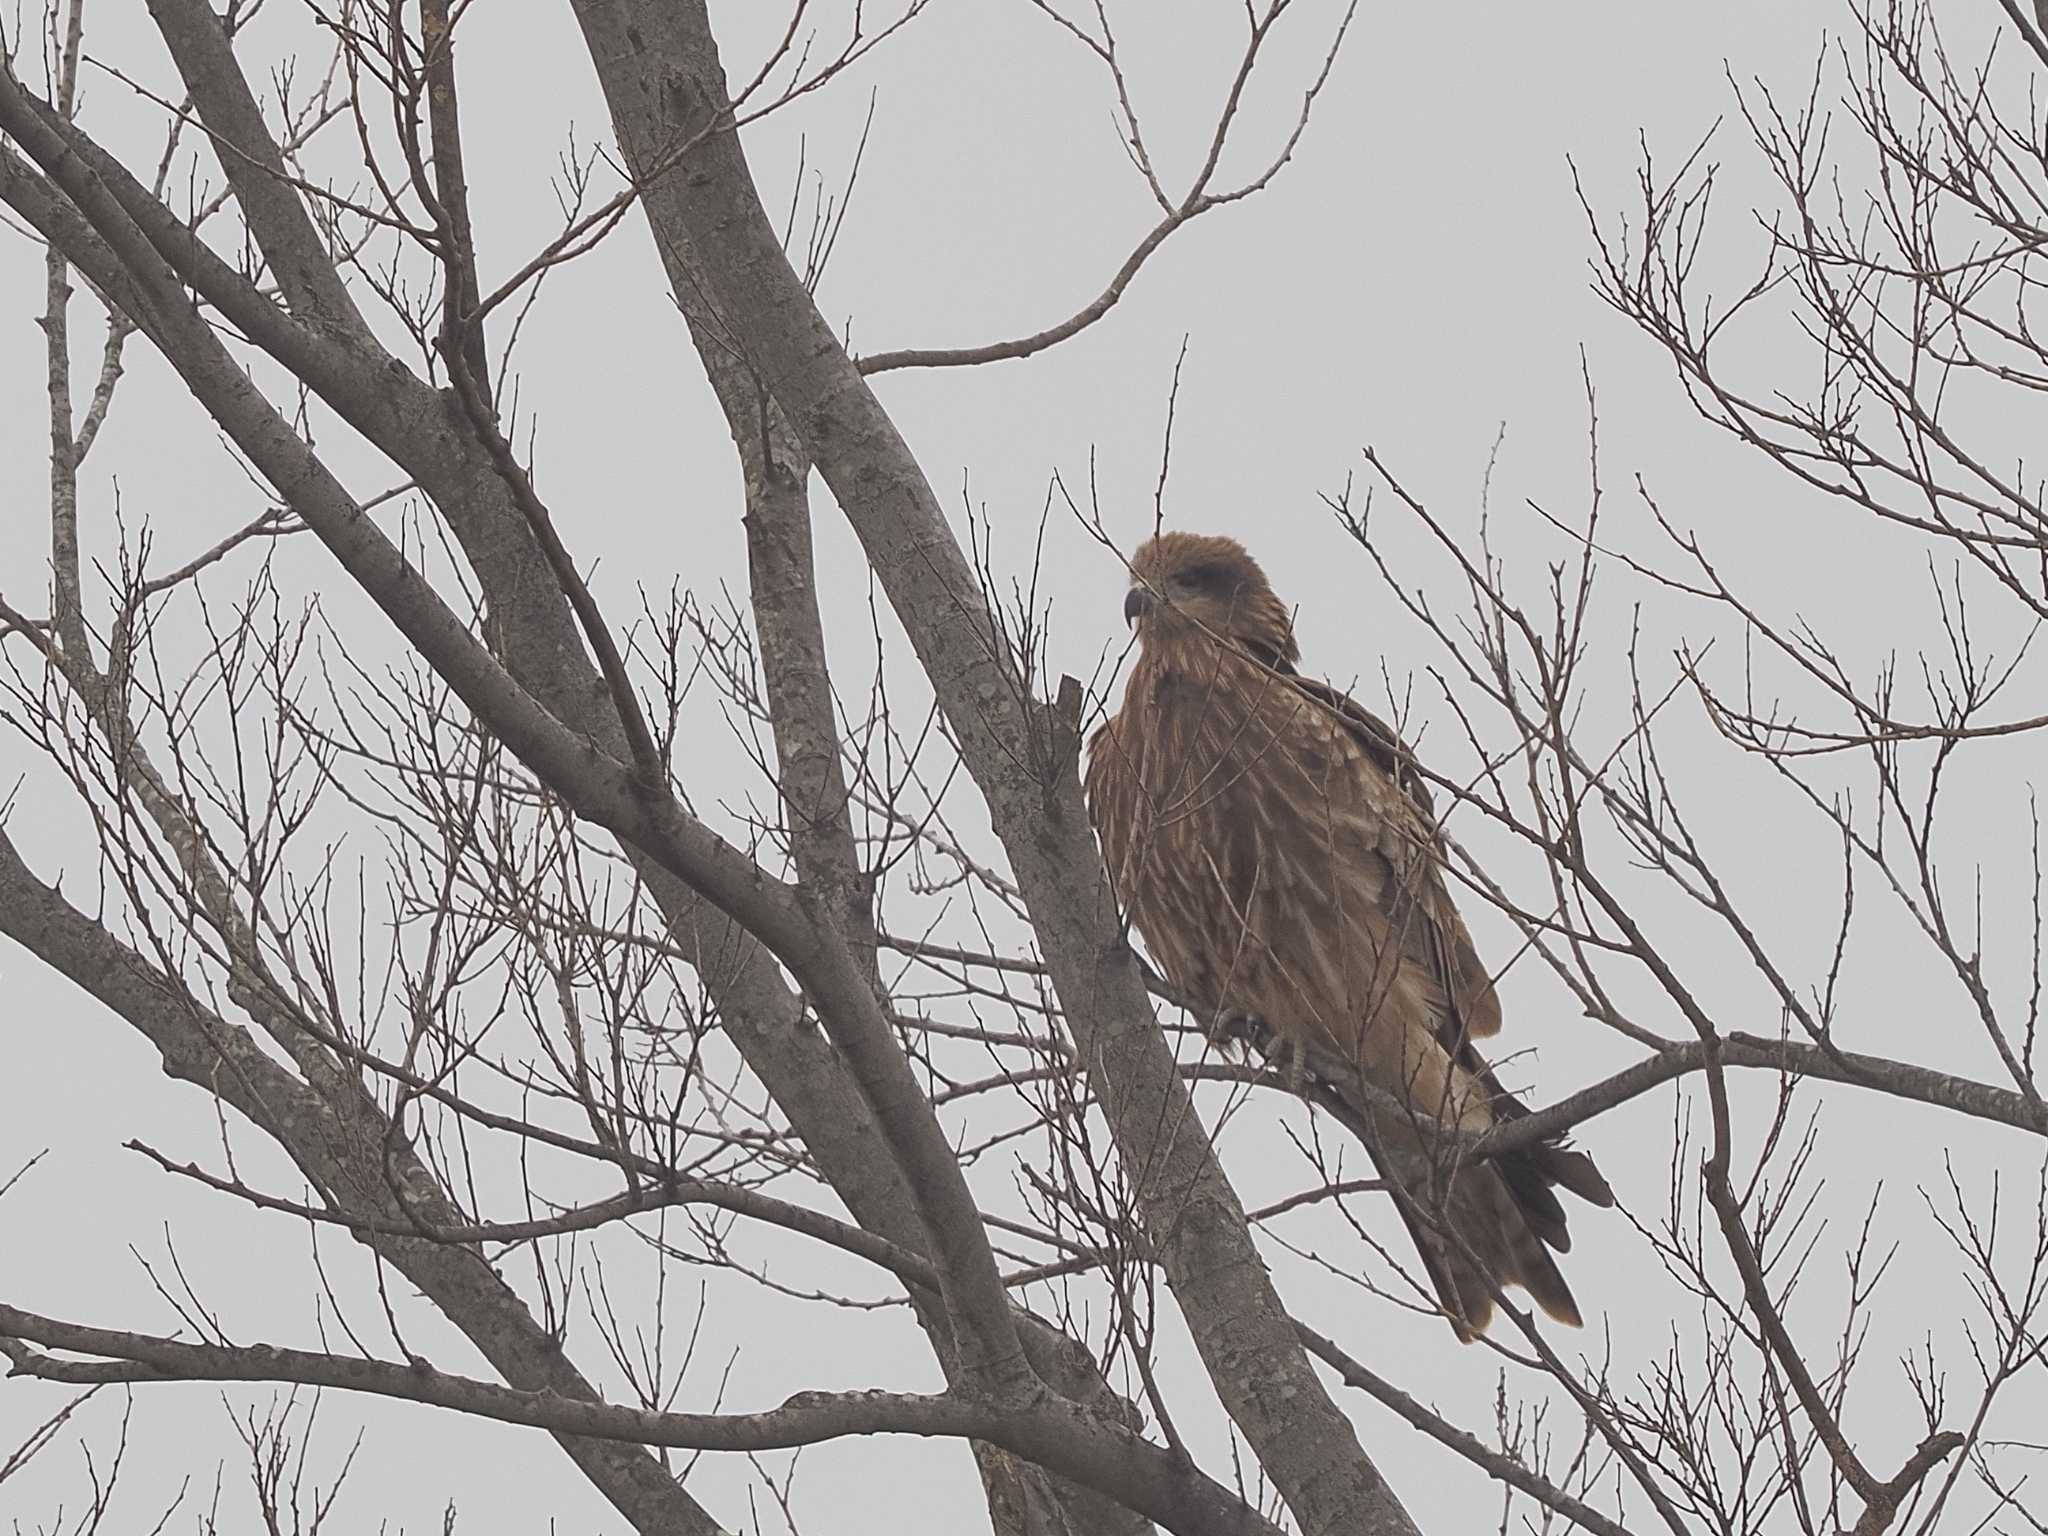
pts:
[298, 257]
[1899, 1079]
[1047, 1431]
[662, 78]
[601, 789]
[811, 783]
[531, 630]
[342, 1149]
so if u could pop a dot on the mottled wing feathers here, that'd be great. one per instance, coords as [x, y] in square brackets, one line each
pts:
[1443, 945]
[1456, 963]
[1466, 979]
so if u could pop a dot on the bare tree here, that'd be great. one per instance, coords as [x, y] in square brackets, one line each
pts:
[459, 928]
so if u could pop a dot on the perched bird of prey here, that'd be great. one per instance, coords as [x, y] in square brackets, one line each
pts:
[1275, 847]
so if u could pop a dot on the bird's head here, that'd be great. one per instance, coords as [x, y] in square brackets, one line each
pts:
[1185, 585]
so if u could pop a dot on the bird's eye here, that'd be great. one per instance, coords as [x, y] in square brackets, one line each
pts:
[1211, 577]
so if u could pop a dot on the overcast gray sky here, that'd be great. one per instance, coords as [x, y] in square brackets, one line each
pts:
[1416, 280]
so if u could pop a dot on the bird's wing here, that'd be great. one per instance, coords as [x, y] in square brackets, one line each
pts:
[1436, 939]
[1441, 943]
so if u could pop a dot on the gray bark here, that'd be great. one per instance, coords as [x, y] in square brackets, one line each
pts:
[534, 636]
[662, 78]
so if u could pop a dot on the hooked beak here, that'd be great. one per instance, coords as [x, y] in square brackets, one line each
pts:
[1138, 602]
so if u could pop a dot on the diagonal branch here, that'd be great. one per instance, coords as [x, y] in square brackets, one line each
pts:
[1501, 1467]
[531, 629]
[812, 786]
[1048, 1431]
[284, 231]
[461, 329]
[1197, 200]
[661, 75]
[118, 256]
[341, 1146]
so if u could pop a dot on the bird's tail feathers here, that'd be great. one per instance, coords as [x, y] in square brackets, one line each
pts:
[1478, 1226]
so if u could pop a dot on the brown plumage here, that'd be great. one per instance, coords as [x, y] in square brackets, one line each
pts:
[1272, 843]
